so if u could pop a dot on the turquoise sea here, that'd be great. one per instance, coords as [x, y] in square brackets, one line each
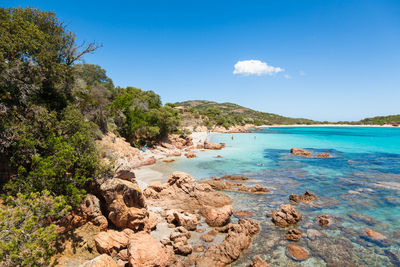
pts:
[359, 187]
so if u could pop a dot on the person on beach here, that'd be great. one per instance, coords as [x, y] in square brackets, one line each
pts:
[232, 137]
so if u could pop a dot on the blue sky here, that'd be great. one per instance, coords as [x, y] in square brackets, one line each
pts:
[337, 60]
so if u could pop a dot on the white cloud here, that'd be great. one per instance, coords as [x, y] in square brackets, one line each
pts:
[255, 67]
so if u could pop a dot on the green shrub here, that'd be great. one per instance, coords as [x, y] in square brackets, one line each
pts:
[27, 238]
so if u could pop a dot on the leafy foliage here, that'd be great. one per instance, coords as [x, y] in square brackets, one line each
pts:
[381, 120]
[141, 117]
[27, 238]
[59, 156]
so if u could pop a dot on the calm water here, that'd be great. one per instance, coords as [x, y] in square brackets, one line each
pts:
[362, 178]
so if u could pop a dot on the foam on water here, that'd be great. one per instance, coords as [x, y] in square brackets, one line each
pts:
[362, 178]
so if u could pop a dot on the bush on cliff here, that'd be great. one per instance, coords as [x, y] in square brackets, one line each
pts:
[27, 236]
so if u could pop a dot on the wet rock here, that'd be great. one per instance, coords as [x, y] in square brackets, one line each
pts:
[243, 213]
[213, 146]
[312, 234]
[148, 161]
[238, 238]
[207, 238]
[258, 262]
[359, 217]
[287, 215]
[233, 178]
[103, 260]
[323, 219]
[126, 204]
[294, 235]
[168, 160]
[394, 256]
[200, 230]
[144, 250]
[375, 237]
[217, 217]
[334, 251]
[307, 197]
[182, 192]
[301, 152]
[190, 154]
[296, 252]
[257, 189]
[323, 155]
[111, 241]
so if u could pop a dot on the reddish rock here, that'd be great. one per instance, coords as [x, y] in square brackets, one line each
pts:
[376, 237]
[257, 189]
[238, 239]
[307, 197]
[100, 261]
[190, 154]
[182, 192]
[233, 178]
[258, 262]
[207, 237]
[215, 184]
[144, 250]
[218, 156]
[198, 248]
[213, 146]
[287, 215]
[294, 235]
[187, 220]
[179, 238]
[126, 204]
[323, 219]
[301, 152]
[296, 252]
[323, 155]
[168, 160]
[111, 241]
[243, 213]
[153, 220]
[148, 161]
[126, 174]
[217, 217]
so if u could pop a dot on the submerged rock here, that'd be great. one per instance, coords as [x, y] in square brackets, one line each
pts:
[294, 235]
[375, 237]
[307, 197]
[190, 154]
[323, 219]
[359, 217]
[287, 215]
[296, 252]
[323, 155]
[243, 213]
[301, 152]
[257, 189]
[334, 251]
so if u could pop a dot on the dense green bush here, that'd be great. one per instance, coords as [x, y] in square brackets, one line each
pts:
[27, 236]
[55, 155]
[141, 118]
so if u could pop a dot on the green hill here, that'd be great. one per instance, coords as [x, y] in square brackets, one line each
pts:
[381, 120]
[235, 114]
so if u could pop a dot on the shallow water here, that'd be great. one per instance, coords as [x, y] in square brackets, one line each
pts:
[362, 178]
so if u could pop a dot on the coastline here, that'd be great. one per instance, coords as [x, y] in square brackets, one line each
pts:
[324, 125]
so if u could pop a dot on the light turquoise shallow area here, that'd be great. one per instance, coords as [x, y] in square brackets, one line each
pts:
[361, 179]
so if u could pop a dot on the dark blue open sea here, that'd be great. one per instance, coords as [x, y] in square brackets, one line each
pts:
[359, 186]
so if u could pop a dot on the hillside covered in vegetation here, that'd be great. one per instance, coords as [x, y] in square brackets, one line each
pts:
[229, 114]
[382, 120]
